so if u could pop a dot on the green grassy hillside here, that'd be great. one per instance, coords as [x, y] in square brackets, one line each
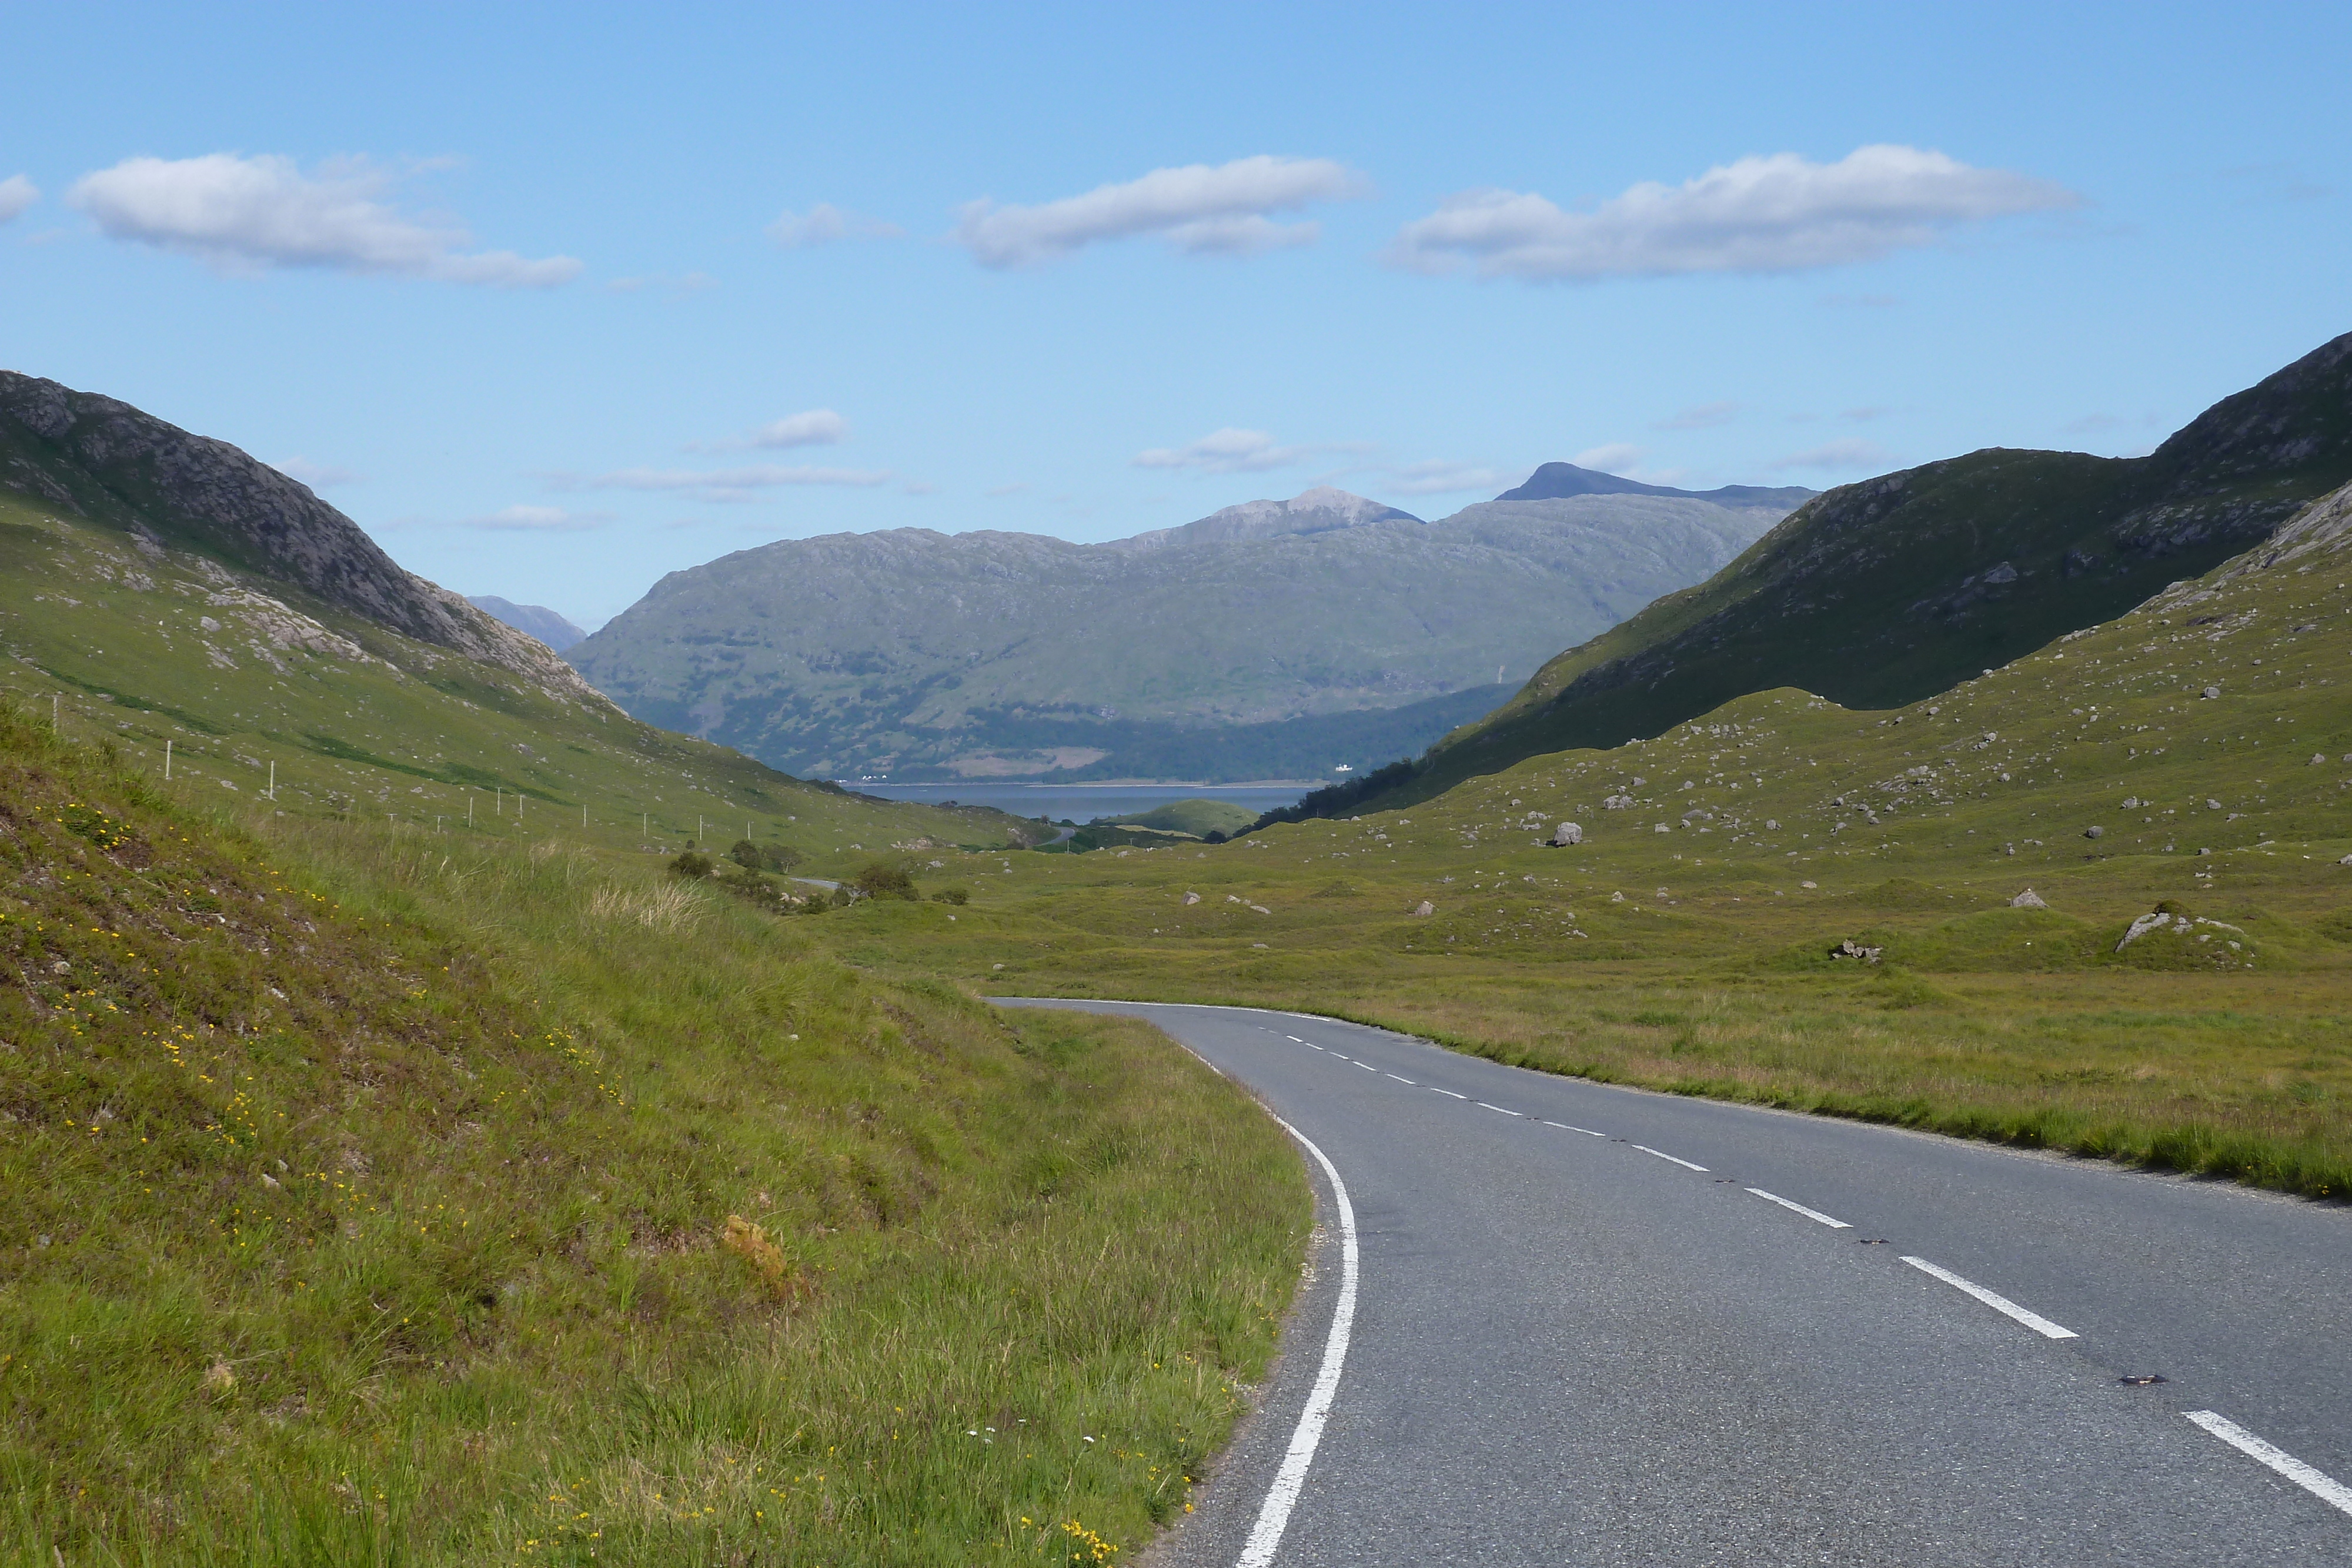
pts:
[164, 644]
[1887, 592]
[380, 1196]
[1197, 818]
[2192, 757]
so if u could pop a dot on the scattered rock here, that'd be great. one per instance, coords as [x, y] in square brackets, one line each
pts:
[1850, 948]
[2212, 804]
[1809, 884]
[1566, 834]
[2029, 899]
[1191, 898]
[2212, 691]
[2093, 831]
[1425, 907]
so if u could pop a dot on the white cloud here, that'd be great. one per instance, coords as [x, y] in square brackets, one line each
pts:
[536, 519]
[1618, 458]
[1440, 478]
[1706, 416]
[1780, 213]
[16, 194]
[318, 475]
[1848, 455]
[1226, 451]
[824, 224]
[729, 484]
[1197, 209]
[248, 215]
[817, 427]
[1014, 488]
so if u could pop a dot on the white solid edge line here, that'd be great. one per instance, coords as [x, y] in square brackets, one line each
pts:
[2320, 1484]
[1813, 1213]
[1274, 1514]
[1999, 1303]
[1678, 1160]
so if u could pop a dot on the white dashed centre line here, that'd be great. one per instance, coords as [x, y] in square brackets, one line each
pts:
[1520, 1113]
[1404, 1081]
[1813, 1213]
[1449, 1095]
[1570, 1128]
[1294, 1040]
[1367, 1067]
[1999, 1303]
[2320, 1484]
[1676, 1158]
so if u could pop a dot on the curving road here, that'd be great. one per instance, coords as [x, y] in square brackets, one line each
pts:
[1593, 1325]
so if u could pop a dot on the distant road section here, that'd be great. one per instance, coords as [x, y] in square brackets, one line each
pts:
[1592, 1325]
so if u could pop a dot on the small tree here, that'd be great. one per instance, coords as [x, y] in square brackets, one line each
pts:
[746, 854]
[781, 857]
[694, 863]
[880, 879]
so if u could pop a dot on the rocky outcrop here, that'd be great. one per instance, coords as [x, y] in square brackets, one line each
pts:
[168, 488]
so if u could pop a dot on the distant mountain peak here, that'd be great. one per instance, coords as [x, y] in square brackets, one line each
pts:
[1554, 481]
[1315, 511]
[533, 620]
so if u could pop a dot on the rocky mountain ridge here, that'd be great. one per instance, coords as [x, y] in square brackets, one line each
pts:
[104, 460]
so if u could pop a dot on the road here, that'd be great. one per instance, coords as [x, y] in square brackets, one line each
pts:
[1592, 1325]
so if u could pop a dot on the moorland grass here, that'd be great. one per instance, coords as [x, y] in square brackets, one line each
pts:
[1686, 942]
[366, 1197]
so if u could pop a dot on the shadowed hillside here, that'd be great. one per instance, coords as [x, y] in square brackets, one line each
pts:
[1883, 592]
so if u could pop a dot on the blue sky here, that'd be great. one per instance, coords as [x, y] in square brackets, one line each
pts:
[555, 299]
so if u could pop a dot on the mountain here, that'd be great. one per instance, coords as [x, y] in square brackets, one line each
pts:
[1315, 511]
[1885, 592]
[534, 619]
[160, 589]
[118, 467]
[1554, 481]
[1177, 654]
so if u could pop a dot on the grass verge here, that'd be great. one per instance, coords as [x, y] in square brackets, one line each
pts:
[364, 1199]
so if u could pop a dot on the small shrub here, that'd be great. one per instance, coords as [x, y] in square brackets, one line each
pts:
[880, 879]
[955, 895]
[694, 863]
[745, 853]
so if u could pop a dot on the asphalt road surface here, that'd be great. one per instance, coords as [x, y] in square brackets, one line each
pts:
[1590, 1326]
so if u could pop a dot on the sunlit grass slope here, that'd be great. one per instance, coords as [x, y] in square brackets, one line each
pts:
[373, 1196]
[152, 645]
[2194, 755]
